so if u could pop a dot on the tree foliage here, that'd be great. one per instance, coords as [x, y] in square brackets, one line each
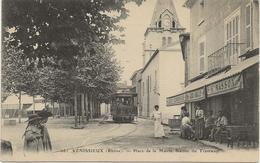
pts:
[55, 47]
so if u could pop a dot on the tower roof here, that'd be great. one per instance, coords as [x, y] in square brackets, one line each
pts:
[160, 7]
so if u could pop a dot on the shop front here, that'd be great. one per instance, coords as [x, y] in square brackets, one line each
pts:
[234, 92]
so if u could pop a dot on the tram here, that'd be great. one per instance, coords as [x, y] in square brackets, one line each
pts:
[123, 107]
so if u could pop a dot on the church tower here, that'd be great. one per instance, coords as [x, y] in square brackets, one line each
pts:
[162, 30]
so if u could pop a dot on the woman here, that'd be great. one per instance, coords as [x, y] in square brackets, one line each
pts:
[32, 136]
[199, 123]
[158, 127]
[44, 114]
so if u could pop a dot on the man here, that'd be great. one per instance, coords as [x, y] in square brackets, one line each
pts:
[158, 127]
[32, 136]
[220, 123]
[44, 114]
[186, 127]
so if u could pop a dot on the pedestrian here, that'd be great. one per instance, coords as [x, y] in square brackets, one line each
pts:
[44, 115]
[187, 131]
[199, 122]
[158, 127]
[32, 135]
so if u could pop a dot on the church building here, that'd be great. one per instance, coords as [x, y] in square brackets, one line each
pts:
[163, 64]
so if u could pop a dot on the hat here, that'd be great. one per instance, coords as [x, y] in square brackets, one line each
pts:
[32, 117]
[44, 114]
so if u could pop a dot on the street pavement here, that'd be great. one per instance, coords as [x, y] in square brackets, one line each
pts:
[137, 135]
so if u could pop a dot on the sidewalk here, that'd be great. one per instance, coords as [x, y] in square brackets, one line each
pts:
[224, 147]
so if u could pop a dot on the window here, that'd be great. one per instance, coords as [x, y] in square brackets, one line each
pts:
[160, 24]
[163, 41]
[201, 56]
[248, 26]
[232, 37]
[173, 24]
[169, 40]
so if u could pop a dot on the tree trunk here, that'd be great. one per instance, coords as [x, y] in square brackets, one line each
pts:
[83, 107]
[20, 107]
[91, 106]
[53, 109]
[33, 105]
[75, 109]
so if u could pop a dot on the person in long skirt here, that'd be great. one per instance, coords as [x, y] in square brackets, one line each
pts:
[199, 123]
[32, 136]
[158, 127]
[44, 114]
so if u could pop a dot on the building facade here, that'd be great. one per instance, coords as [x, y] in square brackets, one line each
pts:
[163, 65]
[223, 60]
[136, 87]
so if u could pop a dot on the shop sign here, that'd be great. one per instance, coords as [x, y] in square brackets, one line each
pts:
[195, 95]
[175, 100]
[225, 86]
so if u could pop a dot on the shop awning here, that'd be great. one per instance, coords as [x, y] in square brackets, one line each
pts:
[193, 92]
[222, 83]
[229, 81]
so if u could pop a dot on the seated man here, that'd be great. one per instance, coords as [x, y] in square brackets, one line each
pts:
[209, 124]
[186, 127]
[220, 123]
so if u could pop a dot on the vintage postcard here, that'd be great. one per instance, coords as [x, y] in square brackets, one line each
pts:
[130, 80]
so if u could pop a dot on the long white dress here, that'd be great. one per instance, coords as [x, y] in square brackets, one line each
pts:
[158, 127]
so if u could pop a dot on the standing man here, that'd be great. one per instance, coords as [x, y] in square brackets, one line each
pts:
[158, 127]
[199, 122]
[44, 114]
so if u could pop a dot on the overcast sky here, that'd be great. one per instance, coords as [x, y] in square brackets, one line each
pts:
[130, 54]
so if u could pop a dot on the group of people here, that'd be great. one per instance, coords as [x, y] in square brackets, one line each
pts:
[36, 136]
[203, 127]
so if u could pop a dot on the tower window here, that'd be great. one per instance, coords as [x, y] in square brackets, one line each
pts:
[163, 41]
[173, 24]
[160, 24]
[169, 40]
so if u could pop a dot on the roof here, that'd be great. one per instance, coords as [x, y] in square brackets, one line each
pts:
[13, 99]
[134, 74]
[38, 107]
[160, 7]
[150, 60]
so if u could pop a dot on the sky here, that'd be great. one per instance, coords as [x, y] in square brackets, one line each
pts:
[129, 54]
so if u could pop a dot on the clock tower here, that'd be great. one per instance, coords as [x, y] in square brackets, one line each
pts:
[164, 29]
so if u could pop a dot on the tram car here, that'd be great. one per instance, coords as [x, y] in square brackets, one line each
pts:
[123, 108]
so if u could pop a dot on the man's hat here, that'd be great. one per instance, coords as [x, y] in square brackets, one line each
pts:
[44, 114]
[32, 117]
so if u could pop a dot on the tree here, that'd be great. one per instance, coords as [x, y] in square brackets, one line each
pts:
[18, 75]
[62, 29]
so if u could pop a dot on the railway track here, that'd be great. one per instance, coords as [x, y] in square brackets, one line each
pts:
[118, 127]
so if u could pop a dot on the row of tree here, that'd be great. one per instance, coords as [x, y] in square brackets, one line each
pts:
[57, 49]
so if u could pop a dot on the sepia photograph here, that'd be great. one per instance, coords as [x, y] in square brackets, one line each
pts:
[130, 80]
